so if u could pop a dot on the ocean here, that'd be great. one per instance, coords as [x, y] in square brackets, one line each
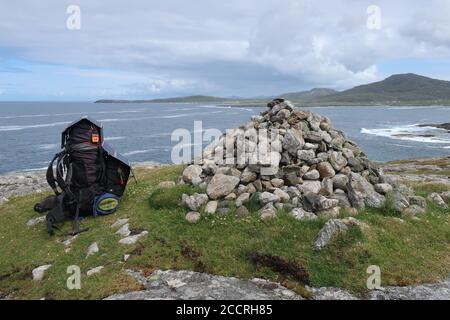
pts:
[30, 131]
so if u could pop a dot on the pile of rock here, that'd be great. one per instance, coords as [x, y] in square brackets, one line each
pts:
[301, 164]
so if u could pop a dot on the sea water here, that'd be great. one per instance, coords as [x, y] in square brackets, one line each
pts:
[30, 131]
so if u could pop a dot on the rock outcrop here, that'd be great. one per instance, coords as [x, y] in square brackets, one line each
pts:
[188, 285]
[21, 183]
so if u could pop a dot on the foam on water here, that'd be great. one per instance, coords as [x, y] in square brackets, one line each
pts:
[44, 125]
[114, 138]
[143, 132]
[70, 114]
[411, 133]
[134, 152]
[49, 146]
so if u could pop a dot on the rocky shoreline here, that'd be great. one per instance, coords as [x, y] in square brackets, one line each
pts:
[445, 126]
[424, 170]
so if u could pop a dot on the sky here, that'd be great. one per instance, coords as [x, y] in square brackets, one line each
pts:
[87, 50]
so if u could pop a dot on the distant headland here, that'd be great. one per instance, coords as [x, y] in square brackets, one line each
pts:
[400, 89]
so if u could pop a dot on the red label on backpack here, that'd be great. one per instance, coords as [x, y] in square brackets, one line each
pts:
[95, 138]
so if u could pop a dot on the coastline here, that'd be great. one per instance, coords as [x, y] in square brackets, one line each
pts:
[263, 104]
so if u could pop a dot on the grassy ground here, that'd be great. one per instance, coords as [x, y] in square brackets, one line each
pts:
[408, 252]
[442, 166]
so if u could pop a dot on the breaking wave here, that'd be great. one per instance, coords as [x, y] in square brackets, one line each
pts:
[33, 169]
[49, 146]
[114, 138]
[411, 133]
[70, 114]
[134, 152]
[44, 125]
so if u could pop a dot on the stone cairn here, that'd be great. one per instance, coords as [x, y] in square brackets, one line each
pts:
[291, 159]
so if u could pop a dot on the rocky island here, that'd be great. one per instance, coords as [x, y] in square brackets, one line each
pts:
[445, 126]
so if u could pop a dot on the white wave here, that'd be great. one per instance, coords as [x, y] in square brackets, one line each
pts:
[114, 138]
[408, 133]
[140, 151]
[155, 135]
[158, 117]
[22, 127]
[18, 127]
[444, 108]
[49, 146]
[137, 152]
[215, 107]
[409, 108]
[137, 119]
[71, 114]
[181, 109]
[181, 115]
[403, 145]
[34, 169]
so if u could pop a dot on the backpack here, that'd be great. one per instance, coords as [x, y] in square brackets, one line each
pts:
[88, 177]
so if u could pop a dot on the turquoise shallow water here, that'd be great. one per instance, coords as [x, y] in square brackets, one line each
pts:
[30, 131]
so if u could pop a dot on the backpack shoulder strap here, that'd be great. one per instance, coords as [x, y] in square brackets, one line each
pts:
[64, 164]
[51, 180]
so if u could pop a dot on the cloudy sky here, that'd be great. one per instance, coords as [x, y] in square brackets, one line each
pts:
[149, 49]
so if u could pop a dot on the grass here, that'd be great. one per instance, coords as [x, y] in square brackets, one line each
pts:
[409, 252]
[425, 189]
[440, 162]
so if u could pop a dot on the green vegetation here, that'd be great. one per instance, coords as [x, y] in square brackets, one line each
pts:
[401, 88]
[408, 252]
[310, 95]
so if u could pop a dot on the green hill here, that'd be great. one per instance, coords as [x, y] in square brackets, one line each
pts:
[397, 89]
[309, 95]
[186, 99]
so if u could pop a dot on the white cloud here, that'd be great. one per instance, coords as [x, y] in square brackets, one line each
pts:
[179, 46]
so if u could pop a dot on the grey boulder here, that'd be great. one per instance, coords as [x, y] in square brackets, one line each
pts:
[221, 185]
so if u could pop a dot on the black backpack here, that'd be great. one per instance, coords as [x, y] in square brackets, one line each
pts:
[86, 170]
